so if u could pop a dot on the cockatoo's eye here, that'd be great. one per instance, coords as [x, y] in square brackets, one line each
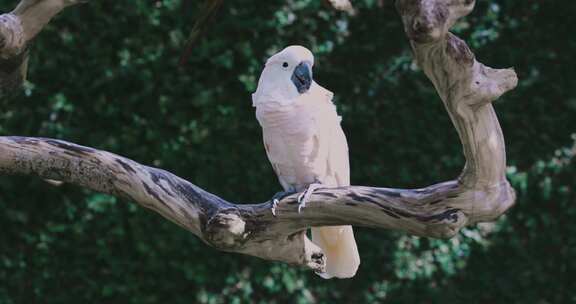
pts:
[285, 65]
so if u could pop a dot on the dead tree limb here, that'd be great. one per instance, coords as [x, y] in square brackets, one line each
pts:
[480, 193]
[17, 31]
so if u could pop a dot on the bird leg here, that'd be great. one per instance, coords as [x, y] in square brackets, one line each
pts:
[305, 196]
[279, 196]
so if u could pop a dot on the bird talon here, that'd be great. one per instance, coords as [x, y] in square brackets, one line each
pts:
[274, 205]
[279, 196]
[304, 197]
[301, 201]
[301, 197]
[300, 206]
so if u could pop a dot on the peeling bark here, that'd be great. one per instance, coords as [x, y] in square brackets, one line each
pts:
[481, 193]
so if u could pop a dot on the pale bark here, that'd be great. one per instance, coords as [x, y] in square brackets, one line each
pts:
[17, 30]
[481, 193]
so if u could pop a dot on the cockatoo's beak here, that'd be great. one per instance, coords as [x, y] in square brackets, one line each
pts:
[302, 77]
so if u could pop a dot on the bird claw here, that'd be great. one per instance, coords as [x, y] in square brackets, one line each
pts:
[277, 197]
[304, 197]
[274, 205]
[301, 204]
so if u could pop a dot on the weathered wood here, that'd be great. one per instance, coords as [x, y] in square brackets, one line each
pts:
[17, 30]
[480, 193]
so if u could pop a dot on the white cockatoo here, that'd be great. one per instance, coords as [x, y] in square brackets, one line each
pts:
[306, 145]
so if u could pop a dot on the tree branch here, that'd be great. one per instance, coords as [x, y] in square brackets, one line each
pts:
[17, 30]
[481, 193]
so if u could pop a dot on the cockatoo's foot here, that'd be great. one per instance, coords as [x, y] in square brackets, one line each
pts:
[274, 205]
[277, 197]
[304, 197]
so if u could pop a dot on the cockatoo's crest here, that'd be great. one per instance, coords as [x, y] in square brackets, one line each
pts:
[286, 76]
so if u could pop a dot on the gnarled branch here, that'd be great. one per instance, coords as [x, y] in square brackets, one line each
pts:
[17, 30]
[481, 193]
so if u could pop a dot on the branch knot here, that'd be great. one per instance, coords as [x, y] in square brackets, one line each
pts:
[226, 230]
[12, 40]
[425, 20]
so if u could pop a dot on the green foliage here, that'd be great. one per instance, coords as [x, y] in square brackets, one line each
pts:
[106, 75]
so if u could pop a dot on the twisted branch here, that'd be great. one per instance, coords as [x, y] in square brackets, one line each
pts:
[481, 193]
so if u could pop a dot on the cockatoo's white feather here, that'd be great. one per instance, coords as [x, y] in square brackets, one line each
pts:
[275, 84]
[305, 144]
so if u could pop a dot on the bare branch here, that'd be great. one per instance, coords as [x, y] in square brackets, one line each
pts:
[481, 193]
[17, 30]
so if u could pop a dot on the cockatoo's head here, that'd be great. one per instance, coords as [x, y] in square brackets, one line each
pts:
[286, 76]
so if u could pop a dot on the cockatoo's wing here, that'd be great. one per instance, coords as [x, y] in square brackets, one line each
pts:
[335, 151]
[337, 242]
[339, 161]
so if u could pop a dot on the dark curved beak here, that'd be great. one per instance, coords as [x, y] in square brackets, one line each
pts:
[302, 77]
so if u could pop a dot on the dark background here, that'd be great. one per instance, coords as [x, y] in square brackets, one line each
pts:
[106, 75]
